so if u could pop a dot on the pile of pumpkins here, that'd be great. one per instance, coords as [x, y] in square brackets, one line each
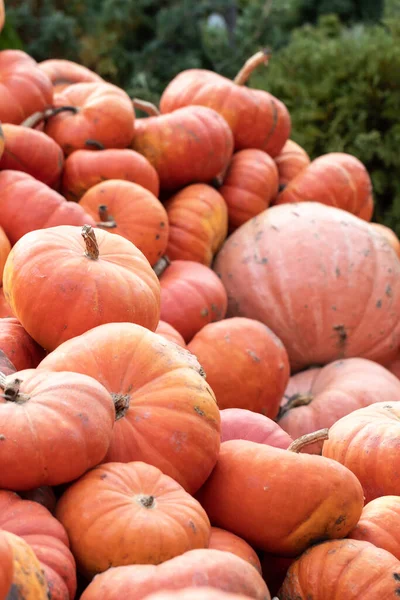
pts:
[199, 348]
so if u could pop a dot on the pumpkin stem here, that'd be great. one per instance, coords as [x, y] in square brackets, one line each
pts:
[121, 404]
[147, 107]
[259, 58]
[146, 501]
[11, 388]
[95, 144]
[106, 220]
[92, 248]
[37, 117]
[295, 401]
[307, 439]
[161, 265]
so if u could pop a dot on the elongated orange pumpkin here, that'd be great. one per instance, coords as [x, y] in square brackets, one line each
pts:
[290, 161]
[242, 424]
[221, 539]
[28, 580]
[65, 72]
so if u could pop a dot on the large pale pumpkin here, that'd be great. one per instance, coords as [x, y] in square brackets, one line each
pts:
[290, 161]
[242, 424]
[390, 236]
[77, 280]
[195, 593]
[305, 270]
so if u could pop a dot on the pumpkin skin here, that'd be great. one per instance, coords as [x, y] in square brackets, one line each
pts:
[32, 152]
[132, 212]
[198, 219]
[144, 517]
[190, 145]
[27, 204]
[193, 593]
[199, 568]
[246, 364]
[242, 424]
[366, 441]
[68, 402]
[160, 394]
[5, 309]
[18, 346]
[258, 469]
[379, 524]
[2, 21]
[85, 168]
[390, 236]
[47, 538]
[221, 539]
[170, 333]
[191, 296]
[319, 320]
[290, 161]
[82, 292]
[2, 141]
[5, 248]
[335, 179]
[28, 581]
[7, 568]
[24, 88]
[250, 185]
[343, 569]
[103, 115]
[337, 390]
[65, 72]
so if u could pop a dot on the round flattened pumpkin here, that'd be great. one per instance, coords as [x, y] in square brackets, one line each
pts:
[28, 580]
[290, 161]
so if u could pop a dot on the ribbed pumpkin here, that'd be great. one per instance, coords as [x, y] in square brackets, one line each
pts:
[33, 152]
[348, 569]
[250, 185]
[191, 296]
[245, 363]
[242, 424]
[290, 161]
[379, 524]
[18, 346]
[47, 538]
[195, 593]
[85, 168]
[389, 235]
[198, 219]
[65, 72]
[199, 568]
[166, 412]
[129, 210]
[170, 333]
[256, 118]
[77, 280]
[24, 88]
[221, 539]
[337, 390]
[335, 179]
[280, 269]
[5, 248]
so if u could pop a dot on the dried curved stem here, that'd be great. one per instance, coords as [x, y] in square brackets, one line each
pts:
[161, 265]
[259, 58]
[95, 144]
[37, 117]
[11, 387]
[147, 107]
[295, 401]
[308, 439]
[92, 247]
[106, 220]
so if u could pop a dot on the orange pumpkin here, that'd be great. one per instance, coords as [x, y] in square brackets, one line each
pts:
[170, 333]
[389, 235]
[198, 219]
[280, 269]
[379, 524]
[2, 141]
[18, 346]
[221, 539]
[190, 145]
[32, 152]
[337, 390]
[347, 569]
[27, 204]
[95, 278]
[367, 441]
[2, 21]
[63, 73]
[84, 168]
[246, 364]
[160, 397]
[290, 161]
[335, 179]
[47, 538]
[257, 119]
[5, 309]
[96, 114]
[195, 593]
[5, 248]
[129, 210]
[6, 562]
[242, 424]
[24, 88]
[191, 296]
[250, 185]
[198, 568]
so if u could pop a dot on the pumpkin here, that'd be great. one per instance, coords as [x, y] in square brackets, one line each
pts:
[335, 179]
[160, 396]
[170, 333]
[5, 248]
[194, 593]
[367, 441]
[32, 152]
[221, 539]
[390, 236]
[27, 204]
[245, 363]
[63, 73]
[6, 562]
[43, 495]
[290, 161]
[47, 538]
[2, 20]
[198, 568]
[5, 310]
[242, 424]
[24, 88]
[85, 168]
[91, 114]
[257, 119]
[198, 220]
[250, 185]
[190, 145]
[95, 278]
[394, 366]
[379, 524]
[18, 346]
[279, 268]
[337, 390]
[2, 140]
[191, 296]
[54, 427]
[129, 210]
[265, 477]
[348, 569]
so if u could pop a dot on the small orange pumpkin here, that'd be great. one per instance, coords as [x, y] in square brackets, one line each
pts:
[221, 539]
[65, 72]
[170, 333]
[290, 161]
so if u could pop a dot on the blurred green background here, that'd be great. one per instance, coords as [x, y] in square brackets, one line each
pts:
[335, 63]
